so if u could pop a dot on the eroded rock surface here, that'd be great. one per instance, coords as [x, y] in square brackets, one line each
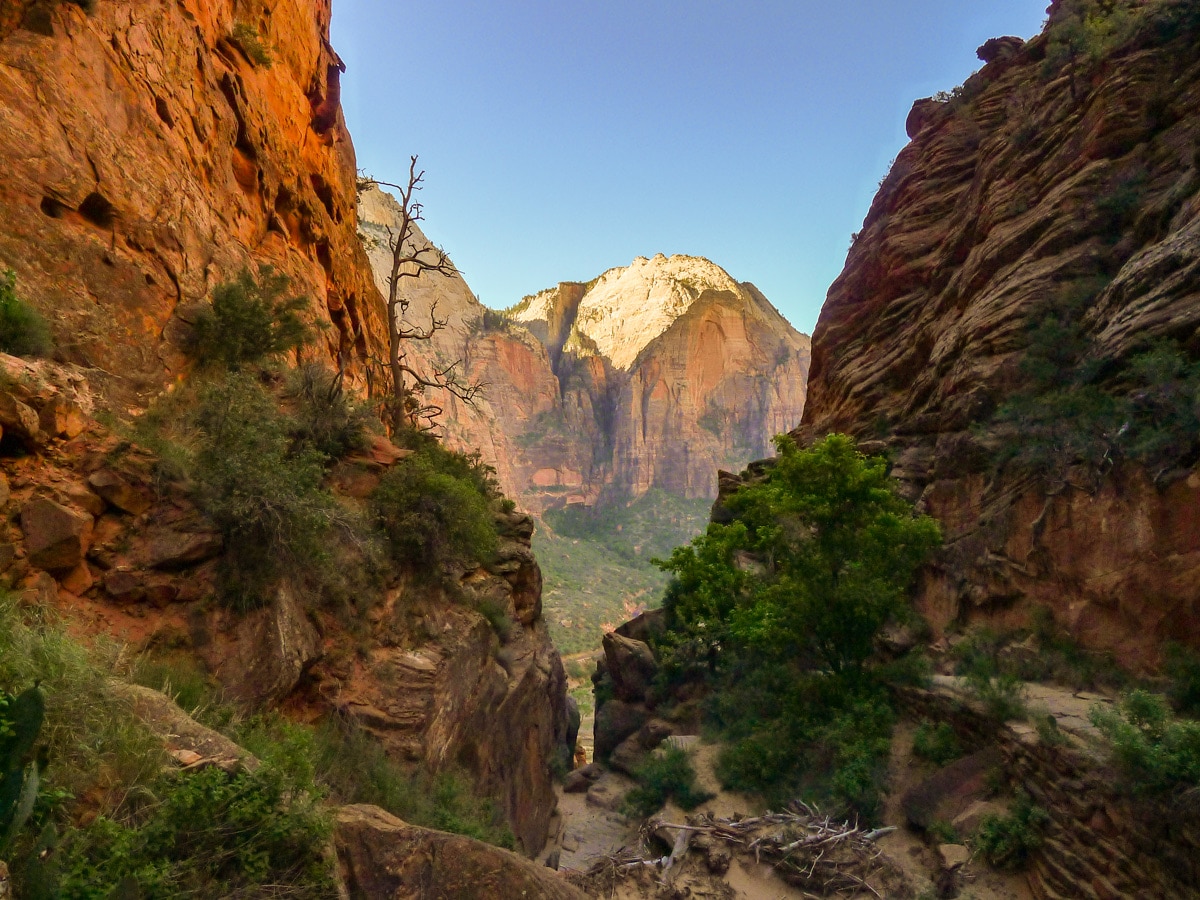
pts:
[1005, 196]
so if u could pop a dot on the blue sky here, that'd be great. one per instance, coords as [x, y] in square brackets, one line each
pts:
[563, 138]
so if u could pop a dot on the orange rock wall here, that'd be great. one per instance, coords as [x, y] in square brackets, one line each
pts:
[147, 157]
[995, 203]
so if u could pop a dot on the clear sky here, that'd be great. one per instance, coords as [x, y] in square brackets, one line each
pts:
[564, 137]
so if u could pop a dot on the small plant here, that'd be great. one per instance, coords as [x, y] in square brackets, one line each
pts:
[936, 744]
[1156, 752]
[497, 616]
[246, 37]
[20, 726]
[325, 419]
[1047, 728]
[666, 775]
[23, 331]
[1007, 841]
[250, 319]
[942, 832]
[1002, 695]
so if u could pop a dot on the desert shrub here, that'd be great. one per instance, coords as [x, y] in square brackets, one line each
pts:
[23, 331]
[936, 744]
[268, 500]
[1156, 753]
[435, 506]
[249, 320]
[207, 834]
[246, 36]
[324, 418]
[1006, 841]
[352, 767]
[666, 775]
[1182, 666]
[497, 616]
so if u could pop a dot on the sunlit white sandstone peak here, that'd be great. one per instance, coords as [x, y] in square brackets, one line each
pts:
[628, 307]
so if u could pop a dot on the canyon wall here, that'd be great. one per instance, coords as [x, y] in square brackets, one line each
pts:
[651, 376]
[1041, 172]
[151, 150]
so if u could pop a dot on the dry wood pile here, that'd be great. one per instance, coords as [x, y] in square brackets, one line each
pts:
[821, 856]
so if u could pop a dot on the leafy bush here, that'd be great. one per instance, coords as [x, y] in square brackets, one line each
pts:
[207, 834]
[23, 331]
[498, 617]
[1156, 753]
[938, 745]
[666, 775]
[246, 37]
[435, 506]
[1007, 841]
[325, 419]
[267, 499]
[249, 320]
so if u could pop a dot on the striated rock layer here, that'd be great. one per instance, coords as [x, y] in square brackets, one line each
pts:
[1006, 194]
[652, 375]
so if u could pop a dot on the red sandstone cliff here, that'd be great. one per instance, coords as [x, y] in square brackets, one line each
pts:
[149, 151]
[1005, 195]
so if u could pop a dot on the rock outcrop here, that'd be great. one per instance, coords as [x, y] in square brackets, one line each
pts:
[382, 857]
[651, 376]
[151, 151]
[1036, 174]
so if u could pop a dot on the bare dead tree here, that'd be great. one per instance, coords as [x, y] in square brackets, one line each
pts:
[413, 256]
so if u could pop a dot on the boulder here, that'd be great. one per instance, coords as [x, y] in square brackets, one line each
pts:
[1001, 48]
[60, 418]
[615, 721]
[922, 113]
[644, 626]
[631, 665]
[191, 744]
[119, 492]
[382, 857]
[632, 751]
[578, 781]
[275, 645]
[56, 537]
[171, 549]
[950, 791]
[19, 420]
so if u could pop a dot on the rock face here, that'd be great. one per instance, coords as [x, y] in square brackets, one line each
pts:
[147, 156]
[652, 375]
[382, 858]
[1006, 194]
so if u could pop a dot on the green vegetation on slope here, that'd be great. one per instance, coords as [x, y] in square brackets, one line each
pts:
[777, 614]
[596, 564]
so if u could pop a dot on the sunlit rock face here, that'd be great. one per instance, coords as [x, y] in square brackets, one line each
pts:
[653, 375]
[1031, 180]
[149, 155]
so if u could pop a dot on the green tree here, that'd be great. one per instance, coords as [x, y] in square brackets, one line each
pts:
[819, 558]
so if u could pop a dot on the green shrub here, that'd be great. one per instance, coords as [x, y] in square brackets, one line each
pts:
[1156, 753]
[435, 506]
[1002, 695]
[1182, 665]
[268, 500]
[942, 832]
[179, 677]
[497, 616]
[207, 834]
[325, 419]
[666, 775]
[23, 331]
[1006, 841]
[249, 320]
[938, 745]
[246, 37]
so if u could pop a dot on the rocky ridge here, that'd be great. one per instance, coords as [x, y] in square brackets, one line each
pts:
[1033, 176]
[652, 375]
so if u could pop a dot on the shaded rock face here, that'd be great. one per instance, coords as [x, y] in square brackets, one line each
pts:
[1002, 198]
[652, 376]
[382, 857]
[147, 158]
